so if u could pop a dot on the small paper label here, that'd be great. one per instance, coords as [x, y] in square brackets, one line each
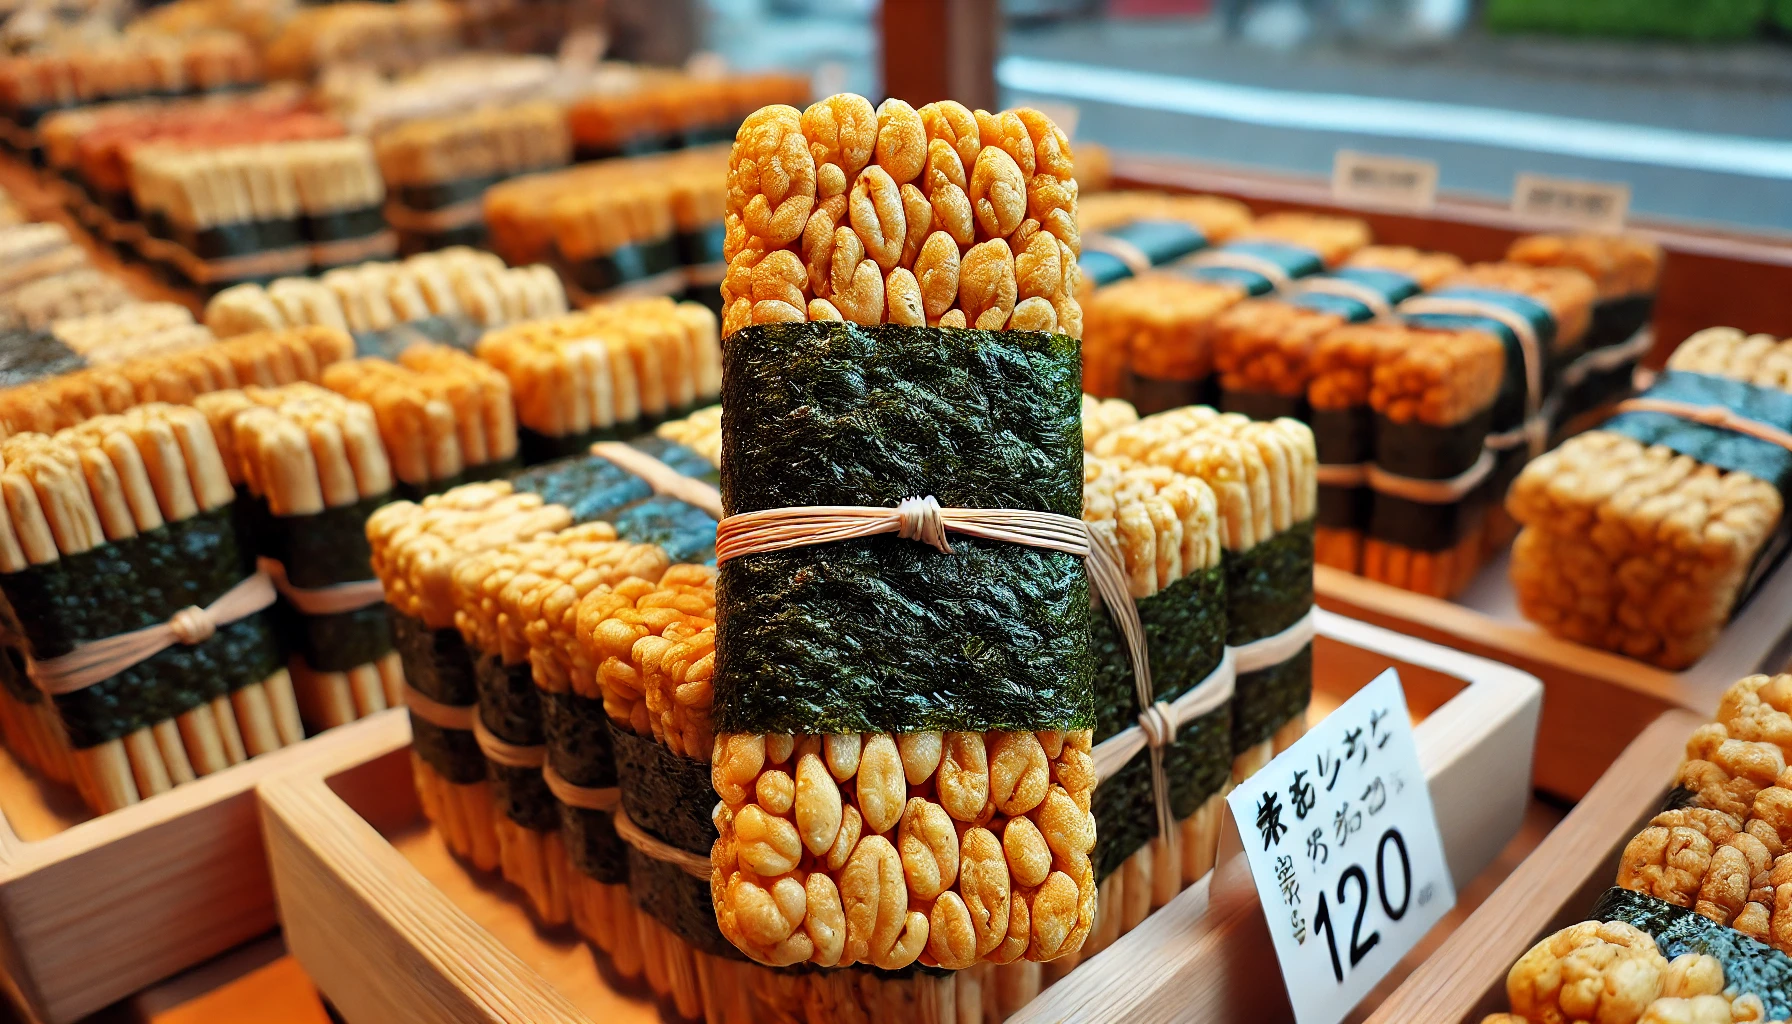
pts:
[1344, 851]
[1396, 182]
[1064, 115]
[1594, 205]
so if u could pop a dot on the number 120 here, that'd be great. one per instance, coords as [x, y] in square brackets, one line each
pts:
[1360, 945]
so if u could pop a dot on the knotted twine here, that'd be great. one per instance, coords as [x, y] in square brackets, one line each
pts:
[334, 599]
[663, 479]
[1711, 416]
[100, 660]
[923, 520]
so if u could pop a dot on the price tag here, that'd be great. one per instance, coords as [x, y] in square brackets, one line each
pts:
[1344, 851]
[1395, 182]
[1595, 205]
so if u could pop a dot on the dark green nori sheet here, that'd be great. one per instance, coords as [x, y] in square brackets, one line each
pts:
[1264, 405]
[149, 577]
[679, 901]
[324, 548]
[704, 245]
[1344, 508]
[508, 701]
[524, 797]
[1422, 527]
[682, 460]
[1269, 698]
[593, 845]
[335, 643]
[1716, 446]
[172, 682]
[1099, 268]
[1680, 798]
[433, 195]
[1152, 395]
[1269, 587]
[1296, 261]
[453, 753]
[669, 796]
[1125, 818]
[1196, 766]
[587, 485]
[994, 636]
[578, 738]
[455, 331]
[1616, 321]
[1185, 634]
[1199, 763]
[1751, 967]
[1344, 437]
[685, 532]
[344, 224]
[1425, 452]
[26, 356]
[15, 675]
[436, 661]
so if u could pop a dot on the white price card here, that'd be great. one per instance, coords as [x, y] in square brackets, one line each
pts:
[1594, 205]
[1344, 851]
[1393, 182]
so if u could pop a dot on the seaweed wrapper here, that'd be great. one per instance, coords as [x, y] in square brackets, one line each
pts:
[1509, 404]
[1269, 697]
[455, 331]
[685, 532]
[151, 576]
[321, 550]
[1750, 967]
[587, 485]
[1159, 241]
[996, 636]
[1198, 763]
[670, 798]
[1269, 587]
[681, 459]
[438, 665]
[338, 642]
[26, 356]
[581, 751]
[510, 708]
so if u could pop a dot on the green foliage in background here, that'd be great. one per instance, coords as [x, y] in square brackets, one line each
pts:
[1705, 20]
[1782, 14]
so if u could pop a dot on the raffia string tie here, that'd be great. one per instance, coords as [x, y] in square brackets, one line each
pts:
[695, 865]
[502, 752]
[1711, 416]
[1233, 259]
[100, 660]
[1344, 288]
[589, 798]
[331, 600]
[438, 714]
[1157, 728]
[1137, 263]
[661, 477]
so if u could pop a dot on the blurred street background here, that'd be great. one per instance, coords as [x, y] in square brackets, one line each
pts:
[1689, 101]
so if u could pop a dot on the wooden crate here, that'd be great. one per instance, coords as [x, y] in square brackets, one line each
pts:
[1553, 888]
[1598, 701]
[93, 909]
[396, 932]
[1207, 955]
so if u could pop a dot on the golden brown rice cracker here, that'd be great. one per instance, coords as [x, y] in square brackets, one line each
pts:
[1148, 339]
[151, 476]
[313, 464]
[1342, 367]
[1635, 547]
[1265, 479]
[701, 432]
[416, 548]
[500, 595]
[1218, 219]
[1102, 417]
[1432, 394]
[1333, 238]
[443, 414]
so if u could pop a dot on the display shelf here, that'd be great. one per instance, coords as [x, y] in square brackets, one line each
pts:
[394, 930]
[1712, 276]
[93, 909]
[1598, 701]
[1207, 955]
[1552, 889]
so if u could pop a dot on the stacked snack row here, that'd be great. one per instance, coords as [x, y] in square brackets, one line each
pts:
[385, 37]
[128, 67]
[46, 276]
[449, 296]
[1151, 331]
[310, 466]
[1644, 536]
[1430, 414]
[1700, 925]
[656, 109]
[608, 372]
[141, 506]
[651, 223]
[936, 217]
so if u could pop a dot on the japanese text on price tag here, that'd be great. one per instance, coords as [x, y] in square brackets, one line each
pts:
[1344, 851]
[1596, 205]
[1395, 182]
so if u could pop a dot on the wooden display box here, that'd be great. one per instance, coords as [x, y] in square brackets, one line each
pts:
[394, 931]
[92, 909]
[1598, 701]
[1207, 956]
[1555, 886]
